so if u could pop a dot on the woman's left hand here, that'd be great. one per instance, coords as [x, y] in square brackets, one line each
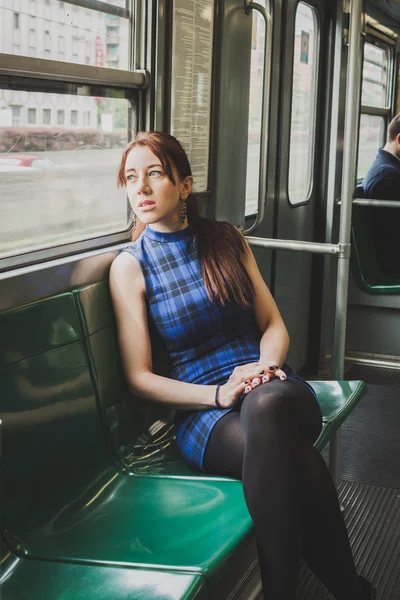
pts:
[270, 372]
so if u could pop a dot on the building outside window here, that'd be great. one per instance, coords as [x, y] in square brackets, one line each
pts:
[86, 118]
[16, 20]
[61, 47]
[74, 49]
[60, 117]
[46, 116]
[16, 116]
[47, 40]
[32, 41]
[31, 116]
[87, 53]
[74, 117]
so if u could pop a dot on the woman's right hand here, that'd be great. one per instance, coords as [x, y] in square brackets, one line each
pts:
[230, 392]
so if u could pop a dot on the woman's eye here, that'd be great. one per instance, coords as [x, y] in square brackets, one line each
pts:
[131, 178]
[155, 173]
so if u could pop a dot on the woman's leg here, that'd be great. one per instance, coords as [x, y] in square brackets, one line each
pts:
[325, 543]
[269, 447]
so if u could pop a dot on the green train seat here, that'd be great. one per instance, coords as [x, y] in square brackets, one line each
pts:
[94, 493]
[370, 246]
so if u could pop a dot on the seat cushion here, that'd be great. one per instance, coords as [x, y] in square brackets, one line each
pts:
[195, 525]
[47, 580]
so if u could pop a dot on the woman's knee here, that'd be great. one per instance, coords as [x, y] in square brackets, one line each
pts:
[269, 403]
[284, 404]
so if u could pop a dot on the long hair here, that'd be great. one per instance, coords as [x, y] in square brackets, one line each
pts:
[221, 246]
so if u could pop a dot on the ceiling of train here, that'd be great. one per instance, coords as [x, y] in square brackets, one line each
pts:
[386, 11]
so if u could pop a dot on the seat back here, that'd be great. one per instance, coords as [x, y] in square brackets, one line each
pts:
[367, 246]
[141, 432]
[53, 441]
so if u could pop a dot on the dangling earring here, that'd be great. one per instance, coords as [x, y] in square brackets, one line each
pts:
[133, 220]
[183, 212]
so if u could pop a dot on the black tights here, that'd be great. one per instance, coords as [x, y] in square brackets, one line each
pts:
[288, 489]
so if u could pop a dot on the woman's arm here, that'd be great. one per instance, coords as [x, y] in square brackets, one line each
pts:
[275, 340]
[128, 295]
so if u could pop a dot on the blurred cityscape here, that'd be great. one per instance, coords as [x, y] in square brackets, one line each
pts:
[59, 152]
[56, 30]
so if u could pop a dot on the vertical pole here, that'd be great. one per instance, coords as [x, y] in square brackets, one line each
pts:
[348, 179]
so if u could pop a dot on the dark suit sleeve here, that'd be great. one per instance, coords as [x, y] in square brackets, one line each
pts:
[388, 188]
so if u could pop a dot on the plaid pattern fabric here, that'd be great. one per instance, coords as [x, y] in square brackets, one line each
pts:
[204, 341]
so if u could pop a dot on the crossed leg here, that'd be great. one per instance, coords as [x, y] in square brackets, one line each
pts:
[288, 489]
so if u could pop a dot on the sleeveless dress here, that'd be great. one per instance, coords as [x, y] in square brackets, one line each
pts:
[204, 341]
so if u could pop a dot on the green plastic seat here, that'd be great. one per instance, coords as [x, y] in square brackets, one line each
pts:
[47, 580]
[93, 485]
[63, 497]
[365, 268]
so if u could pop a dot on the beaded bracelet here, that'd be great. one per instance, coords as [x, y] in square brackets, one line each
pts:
[216, 396]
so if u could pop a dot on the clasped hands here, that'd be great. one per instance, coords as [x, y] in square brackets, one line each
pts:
[244, 379]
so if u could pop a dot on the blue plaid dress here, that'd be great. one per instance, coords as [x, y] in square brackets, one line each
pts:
[204, 341]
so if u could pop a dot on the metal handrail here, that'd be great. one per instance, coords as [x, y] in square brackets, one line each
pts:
[262, 183]
[376, 203]
[300, 246]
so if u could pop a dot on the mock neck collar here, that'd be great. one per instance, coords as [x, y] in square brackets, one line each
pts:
[168, 236]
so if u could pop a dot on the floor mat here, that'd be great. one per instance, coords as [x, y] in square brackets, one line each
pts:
[370, 439]
[372, 515]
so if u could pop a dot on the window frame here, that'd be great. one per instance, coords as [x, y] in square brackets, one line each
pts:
[46, 75]
[270, 7]
[313, 131]
[384, 42]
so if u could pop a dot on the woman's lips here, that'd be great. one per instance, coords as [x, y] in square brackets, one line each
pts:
[146, 205]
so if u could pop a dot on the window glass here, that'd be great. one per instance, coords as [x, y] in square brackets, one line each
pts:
[60, 117]
[302, 133]
[91, 37]
[255, 110]
[32, 116]
[58, 183]
[375, 75]
[372, 135]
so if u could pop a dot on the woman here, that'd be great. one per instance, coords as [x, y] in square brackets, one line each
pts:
[241, 412]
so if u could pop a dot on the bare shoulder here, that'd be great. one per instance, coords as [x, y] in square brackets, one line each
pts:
[125, 272]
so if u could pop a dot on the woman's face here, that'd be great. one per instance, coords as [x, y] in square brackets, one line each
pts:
[154, 198]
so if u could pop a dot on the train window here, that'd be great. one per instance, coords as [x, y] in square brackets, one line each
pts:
[255, 110]
[302, 131]
[59, 183]
[372, 132]
[375, 75]
[375, 109]
[66, 32]
[63, 125]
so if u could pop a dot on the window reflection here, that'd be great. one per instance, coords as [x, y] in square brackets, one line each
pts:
[255, 109]
[304, 93]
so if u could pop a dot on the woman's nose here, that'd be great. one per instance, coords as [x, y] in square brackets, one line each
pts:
[143, 184]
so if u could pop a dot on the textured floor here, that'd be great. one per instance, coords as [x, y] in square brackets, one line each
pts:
[369, 486]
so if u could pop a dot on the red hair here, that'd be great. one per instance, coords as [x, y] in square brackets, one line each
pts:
[221, 246]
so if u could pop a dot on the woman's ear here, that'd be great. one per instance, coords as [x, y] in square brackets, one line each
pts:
[186, 187]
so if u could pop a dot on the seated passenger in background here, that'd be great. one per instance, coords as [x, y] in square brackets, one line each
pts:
[382, 181]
